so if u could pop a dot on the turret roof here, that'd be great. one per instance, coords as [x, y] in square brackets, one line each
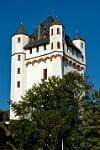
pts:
[78, 37]
[21, 30]
[56, 22]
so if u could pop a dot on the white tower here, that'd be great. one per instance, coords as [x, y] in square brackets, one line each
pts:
[19, 40]
[47, 52]
[80, 43]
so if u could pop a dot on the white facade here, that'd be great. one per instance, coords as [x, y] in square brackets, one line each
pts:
[43, 58]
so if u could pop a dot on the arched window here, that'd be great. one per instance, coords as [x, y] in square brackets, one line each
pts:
[51, 31]
[33, 39]
[44, 36]
[58, 31]
[82, 58]
[81, 44]
[51, 45]
[58, 45]
[19, 39]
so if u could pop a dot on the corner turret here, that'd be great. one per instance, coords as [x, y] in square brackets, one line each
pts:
[80, 44]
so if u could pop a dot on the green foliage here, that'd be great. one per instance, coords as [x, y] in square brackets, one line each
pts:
[91, 124]
[50, 112]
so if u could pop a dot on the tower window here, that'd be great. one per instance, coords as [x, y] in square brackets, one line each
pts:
[51, 45]
[19, 57]
[30, 50]
[63, 46]
[18, 84]
[37, 49]
[44, 47]
[81, 44]
[58, 45]
[51, 31]
[82, 58]
[19, 40]
[58, 31]
[45, 74]
[18, 71]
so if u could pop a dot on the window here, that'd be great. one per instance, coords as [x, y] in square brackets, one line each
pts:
[37, 50]
[63, 46]
[51, 45]
[51, 31]
[19, 57]
[18, 71]
[81, 44]
[19, 40]
[32, 39]
[45, 74]
[82, 58]
[44, 47]
[58, 45]
[58, 31]
[18, 84]
[30, 50]
[44, 36]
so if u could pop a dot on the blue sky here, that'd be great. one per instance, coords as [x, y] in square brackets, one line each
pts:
[76, 15]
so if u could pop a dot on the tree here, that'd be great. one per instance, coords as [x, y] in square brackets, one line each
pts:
[49, 112]
[91, 123]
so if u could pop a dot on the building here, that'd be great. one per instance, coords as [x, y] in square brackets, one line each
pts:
[48, 51]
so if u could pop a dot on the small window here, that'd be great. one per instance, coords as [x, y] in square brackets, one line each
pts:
[51, 31]
[63, 46]
[58, 45]
[32, 39]
[19, 40]
[44, 36]
[45, 74]
[44, 47]
[18, 84]
[51, 45]
[73, 52]
[82, 58]
[18, 71]
[58, 31]
[19, 57]
[37, 49]
[81, 44]
[30, 50]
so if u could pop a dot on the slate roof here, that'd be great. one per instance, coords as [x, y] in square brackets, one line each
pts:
[20, 30]
[78, 37]
[42, 29]
[70, 43]
[56, 22]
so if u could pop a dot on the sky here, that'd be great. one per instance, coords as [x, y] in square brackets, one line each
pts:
[81, 16]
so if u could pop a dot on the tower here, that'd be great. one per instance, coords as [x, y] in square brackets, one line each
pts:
[80, 43]
[18, 76]
[47, 52]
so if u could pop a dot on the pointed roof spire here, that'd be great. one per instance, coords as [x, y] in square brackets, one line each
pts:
[56, 21]
[48, 20]
[21, 30]
[78, 37]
